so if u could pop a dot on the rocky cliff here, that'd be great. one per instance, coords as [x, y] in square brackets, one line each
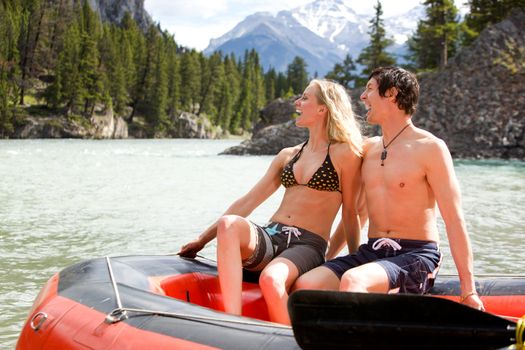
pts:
[113, 11]
[476, 104]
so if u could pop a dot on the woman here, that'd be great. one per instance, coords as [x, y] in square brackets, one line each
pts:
[319, 175]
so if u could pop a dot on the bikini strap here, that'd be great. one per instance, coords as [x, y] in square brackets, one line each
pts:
[300, 152]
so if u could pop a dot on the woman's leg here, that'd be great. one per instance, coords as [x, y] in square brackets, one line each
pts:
[236, 240]
[321, 278]
[275, 281]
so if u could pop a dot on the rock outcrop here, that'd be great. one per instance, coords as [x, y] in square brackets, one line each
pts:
[99, 126]
[109, 126]
[276, 112]
[477, 103]
[187, 125]
[271, 140]
[113, 11]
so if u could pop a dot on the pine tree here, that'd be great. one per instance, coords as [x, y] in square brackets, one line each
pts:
[9, 33]
[113, 67]
[211, 74]
[436, 35]
[344, 73]
[91, 80]
[259, 98]
[190, 73]
[484, 13]
[138, 71]
[270, 83]
[147, 99]
[243, 119]
[228, 95]
[32, 16]
[174, 78]
[281, 85]
[159, 99]
[66, 88]
[297, 75]
[375, 54]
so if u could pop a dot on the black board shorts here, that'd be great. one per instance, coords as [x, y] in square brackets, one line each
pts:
[303, 248]
[411, 265]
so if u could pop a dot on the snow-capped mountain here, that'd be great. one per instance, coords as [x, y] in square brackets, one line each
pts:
[322, 32]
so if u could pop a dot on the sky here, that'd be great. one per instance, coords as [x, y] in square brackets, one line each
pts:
[195, 22]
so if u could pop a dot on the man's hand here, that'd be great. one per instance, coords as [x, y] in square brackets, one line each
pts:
[473, 300]
[191, 249]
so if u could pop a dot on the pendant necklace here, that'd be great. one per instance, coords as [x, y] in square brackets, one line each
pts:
[385, 153]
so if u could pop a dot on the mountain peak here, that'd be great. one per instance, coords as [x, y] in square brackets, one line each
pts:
[322, 32]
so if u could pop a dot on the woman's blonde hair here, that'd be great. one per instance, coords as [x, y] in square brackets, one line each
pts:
[342, 126]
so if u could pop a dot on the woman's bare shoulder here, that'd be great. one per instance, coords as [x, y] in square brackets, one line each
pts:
[342, 151]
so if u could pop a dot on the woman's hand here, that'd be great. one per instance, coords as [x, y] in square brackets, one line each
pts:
[191, 249]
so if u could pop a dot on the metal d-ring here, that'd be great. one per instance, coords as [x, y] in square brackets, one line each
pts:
[43, 319]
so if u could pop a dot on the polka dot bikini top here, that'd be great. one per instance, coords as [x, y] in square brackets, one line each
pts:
[324, 179]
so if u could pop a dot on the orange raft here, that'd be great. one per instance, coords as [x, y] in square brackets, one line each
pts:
[139, 302]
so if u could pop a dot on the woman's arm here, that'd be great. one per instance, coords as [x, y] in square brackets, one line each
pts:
[245, 205]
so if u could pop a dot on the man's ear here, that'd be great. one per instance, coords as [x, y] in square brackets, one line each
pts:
[391, 93]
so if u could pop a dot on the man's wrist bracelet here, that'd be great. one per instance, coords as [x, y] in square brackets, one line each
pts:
[466, 296]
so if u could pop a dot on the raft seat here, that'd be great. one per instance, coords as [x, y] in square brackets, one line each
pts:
[204, 290]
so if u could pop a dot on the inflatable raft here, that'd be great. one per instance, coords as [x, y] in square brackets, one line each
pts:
[168, 302]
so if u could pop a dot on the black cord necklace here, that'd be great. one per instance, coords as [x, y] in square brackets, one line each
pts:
[385, 153]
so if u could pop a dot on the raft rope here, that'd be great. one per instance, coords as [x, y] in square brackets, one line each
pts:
[213, 320]
[121, 313]
[520, 330]
[113, 317]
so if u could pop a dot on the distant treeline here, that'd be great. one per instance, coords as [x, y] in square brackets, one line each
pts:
[58, 55]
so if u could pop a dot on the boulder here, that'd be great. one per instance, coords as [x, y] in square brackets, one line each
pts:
[188, 125]
[271, 140]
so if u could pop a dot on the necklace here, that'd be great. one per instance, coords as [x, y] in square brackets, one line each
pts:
[385, 153]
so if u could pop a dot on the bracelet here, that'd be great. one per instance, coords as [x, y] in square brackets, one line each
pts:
[466, 296]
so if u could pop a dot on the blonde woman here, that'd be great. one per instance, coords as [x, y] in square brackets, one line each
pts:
[319, 176]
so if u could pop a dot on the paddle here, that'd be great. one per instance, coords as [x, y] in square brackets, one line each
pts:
[336, 320]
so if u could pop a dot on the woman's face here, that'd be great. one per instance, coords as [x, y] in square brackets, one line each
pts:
[308, 107]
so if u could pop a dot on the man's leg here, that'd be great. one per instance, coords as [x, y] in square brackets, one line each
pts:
[367, 278]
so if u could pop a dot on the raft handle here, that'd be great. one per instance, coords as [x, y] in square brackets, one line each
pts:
[43, 319]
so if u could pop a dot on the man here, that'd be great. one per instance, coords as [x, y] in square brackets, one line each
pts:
[404, 174]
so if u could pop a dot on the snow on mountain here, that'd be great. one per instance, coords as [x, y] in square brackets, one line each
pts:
[322, 32]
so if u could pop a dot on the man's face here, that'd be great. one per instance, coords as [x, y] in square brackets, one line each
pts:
[371, 99]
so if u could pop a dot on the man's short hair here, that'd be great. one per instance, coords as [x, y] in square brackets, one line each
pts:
[403, 81]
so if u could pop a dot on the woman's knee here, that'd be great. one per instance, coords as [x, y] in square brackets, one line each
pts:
[271, 281]
[225, 225]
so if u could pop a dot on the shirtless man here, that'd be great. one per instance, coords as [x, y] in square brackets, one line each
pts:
[404, 173]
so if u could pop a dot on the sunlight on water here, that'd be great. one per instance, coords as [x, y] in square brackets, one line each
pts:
[67, 200]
